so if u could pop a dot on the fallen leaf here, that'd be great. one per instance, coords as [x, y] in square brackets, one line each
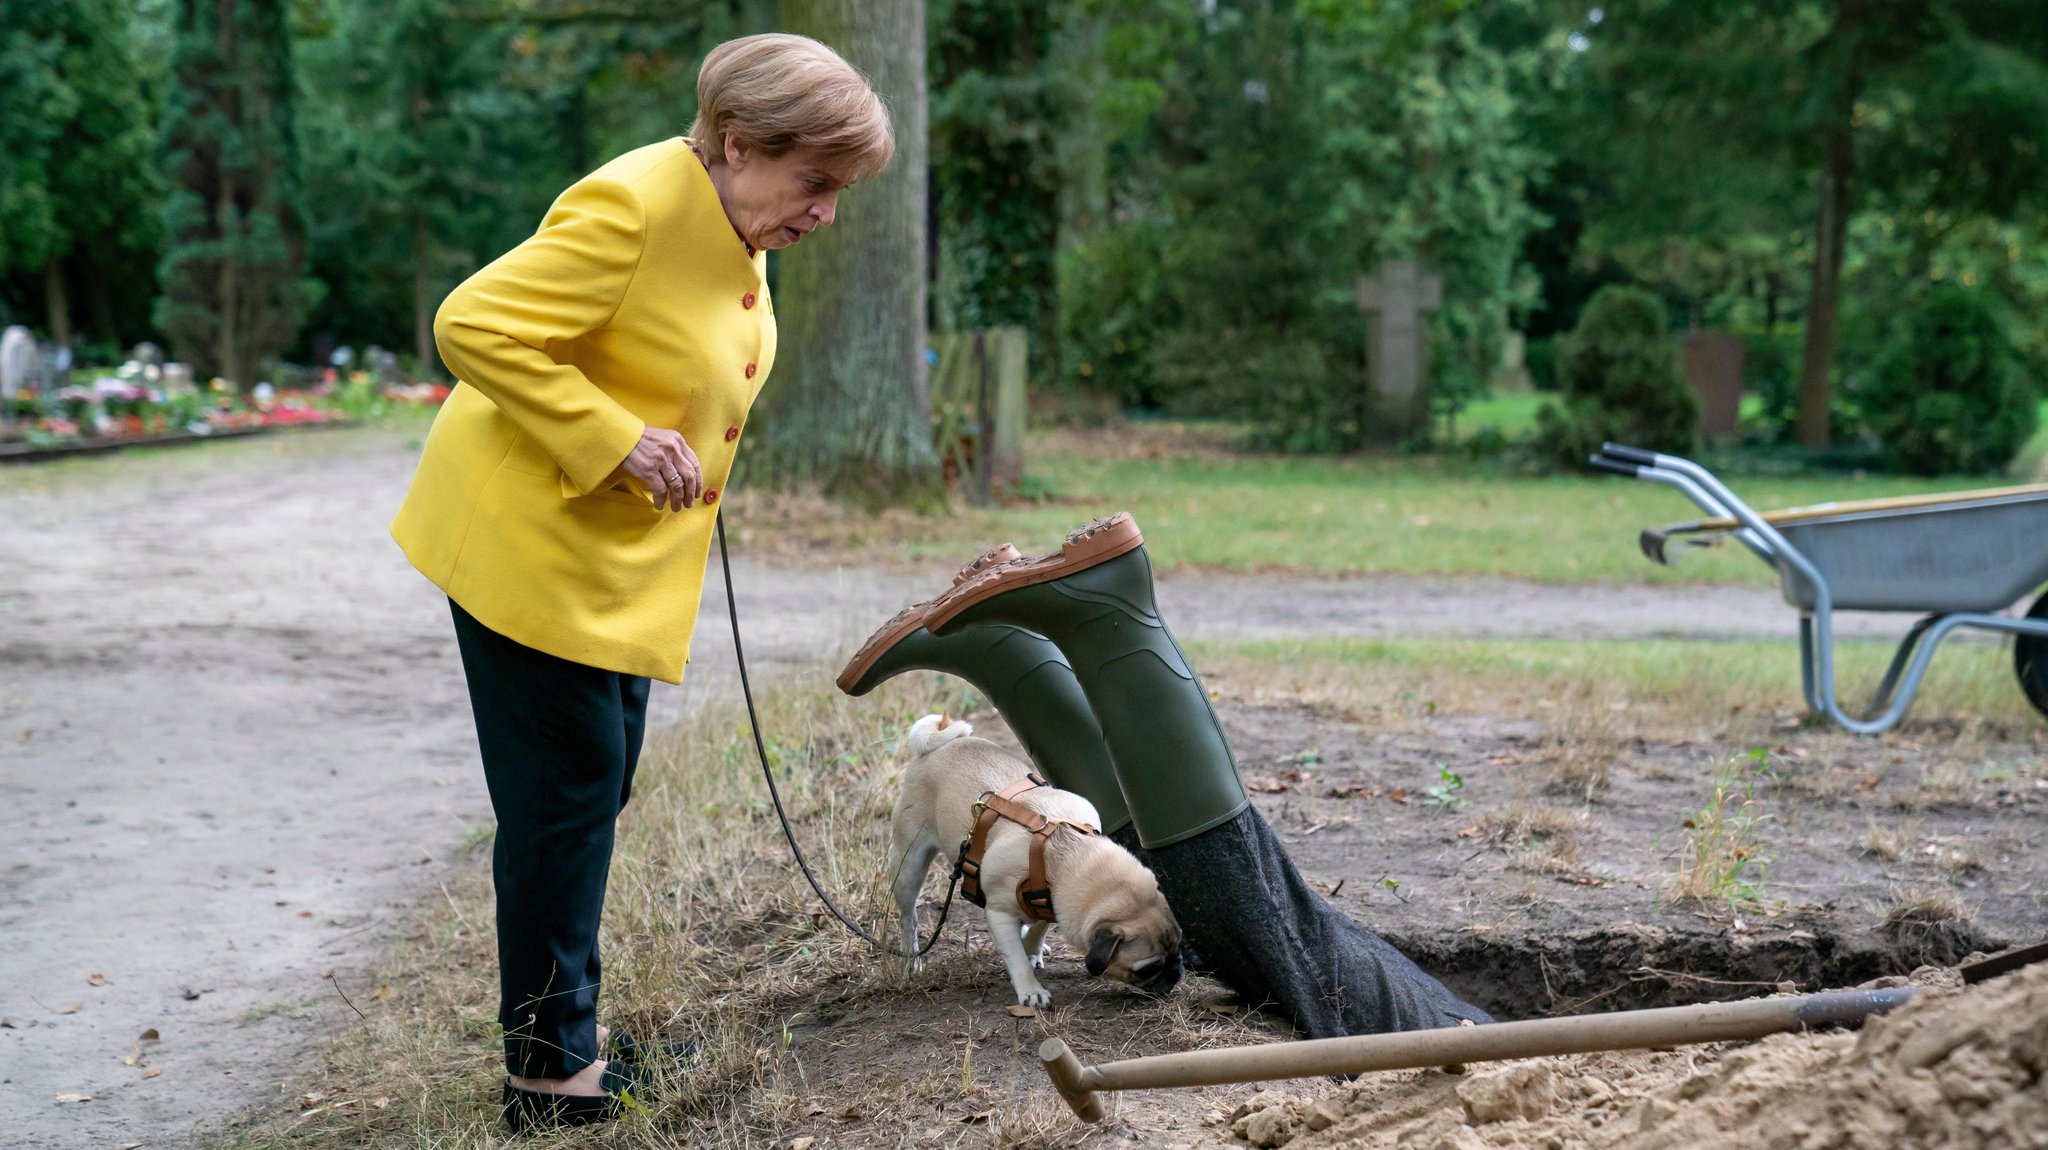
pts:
[382, 992]
[68, 1008]
[380, 1103]
[1022, 1012]
[1471, 832]
[74, 1097]
[305, 914]
[1398, 795]
[803, 1143]
[152, 1072]
[150, 1035]
[96, 978]
[1265, 785]
[131, 1059]
[978, 1117]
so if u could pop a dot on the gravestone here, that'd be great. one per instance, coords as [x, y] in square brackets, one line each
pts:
[177, 379]
[147, 354]
[1713, 369]
[1398, 347]
[21, 363]
[1513, 376]
[383, 365]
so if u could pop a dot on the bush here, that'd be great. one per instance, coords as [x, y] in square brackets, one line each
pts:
[1770, 371]
[1618, 375]
[1949, 395]
[1111, 313]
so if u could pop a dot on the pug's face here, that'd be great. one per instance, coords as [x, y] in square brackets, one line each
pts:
[1138, 944]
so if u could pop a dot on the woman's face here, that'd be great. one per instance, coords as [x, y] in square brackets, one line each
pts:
[775, 201]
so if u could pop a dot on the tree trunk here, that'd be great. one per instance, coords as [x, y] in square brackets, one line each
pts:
[848, 405]
[228, 298]
[60, 304]
[1831, 231]
[422, 303]
[99, 294]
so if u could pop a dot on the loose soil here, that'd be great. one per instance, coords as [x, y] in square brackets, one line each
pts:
[237, 756]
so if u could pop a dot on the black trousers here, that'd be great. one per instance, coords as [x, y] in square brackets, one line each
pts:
[559, 742]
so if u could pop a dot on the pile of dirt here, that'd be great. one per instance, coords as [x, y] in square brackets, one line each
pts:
[1952, 1068]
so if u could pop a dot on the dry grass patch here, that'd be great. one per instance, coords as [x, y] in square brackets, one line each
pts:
[1585, 734]
[1542, 839]
[711, 936]
[1928, 924]
[1891, 841]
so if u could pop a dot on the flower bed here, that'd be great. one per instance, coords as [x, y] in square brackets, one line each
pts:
[137, 404]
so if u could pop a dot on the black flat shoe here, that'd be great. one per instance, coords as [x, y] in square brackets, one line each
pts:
[528, 1110]
[671, 1056]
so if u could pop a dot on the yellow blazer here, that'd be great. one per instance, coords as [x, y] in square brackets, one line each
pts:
[634, 305]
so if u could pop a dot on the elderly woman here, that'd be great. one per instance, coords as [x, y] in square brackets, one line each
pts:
[566, 496]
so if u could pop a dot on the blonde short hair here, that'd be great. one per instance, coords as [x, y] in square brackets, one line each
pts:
[776, 92]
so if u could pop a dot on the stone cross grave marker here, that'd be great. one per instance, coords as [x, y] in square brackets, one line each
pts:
[1399, 297]
[1713, 369]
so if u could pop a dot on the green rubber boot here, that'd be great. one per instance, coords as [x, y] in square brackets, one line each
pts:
[1150, 705]
[1247, 915]
[1026, 679]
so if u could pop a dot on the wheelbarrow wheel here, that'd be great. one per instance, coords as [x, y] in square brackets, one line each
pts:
[2030, 659]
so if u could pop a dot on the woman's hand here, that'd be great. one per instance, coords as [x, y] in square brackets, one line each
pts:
[665, 463]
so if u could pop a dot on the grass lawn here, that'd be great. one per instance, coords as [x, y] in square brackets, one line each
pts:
[1204, 506]
[1738, 689]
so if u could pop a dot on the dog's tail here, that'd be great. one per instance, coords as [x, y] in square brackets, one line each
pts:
[934, 731]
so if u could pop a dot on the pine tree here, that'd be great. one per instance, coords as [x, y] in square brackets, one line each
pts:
[77, 179]
[232, 292]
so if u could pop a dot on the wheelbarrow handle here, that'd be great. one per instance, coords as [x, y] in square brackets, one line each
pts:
[1631, 454]
[1603, 463]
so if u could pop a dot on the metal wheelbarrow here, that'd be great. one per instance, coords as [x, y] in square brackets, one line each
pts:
[1957, 559]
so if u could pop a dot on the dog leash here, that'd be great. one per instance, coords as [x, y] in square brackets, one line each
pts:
[761, 753]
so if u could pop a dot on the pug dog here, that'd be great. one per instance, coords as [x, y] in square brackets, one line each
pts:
[1102, 896]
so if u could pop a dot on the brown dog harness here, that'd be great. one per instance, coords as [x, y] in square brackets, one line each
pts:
[1034, 891]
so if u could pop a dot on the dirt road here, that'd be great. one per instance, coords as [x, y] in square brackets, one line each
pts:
[235, 748]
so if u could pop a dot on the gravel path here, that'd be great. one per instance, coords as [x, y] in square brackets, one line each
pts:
[235, 748]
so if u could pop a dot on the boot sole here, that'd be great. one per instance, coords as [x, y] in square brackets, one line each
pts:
[911, 618]
[1095, 544]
